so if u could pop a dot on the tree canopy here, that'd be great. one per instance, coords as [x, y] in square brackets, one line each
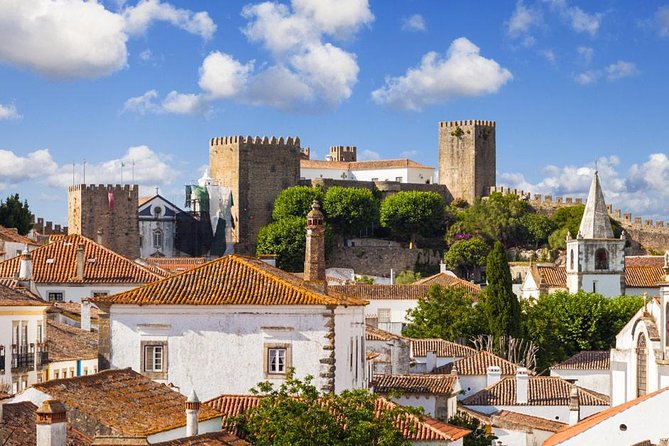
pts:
[295, 202]
[351, 210]
[407, 277]
[467, 256]
[287, 239]
[501, 304]
[410, 213]
[16, 214]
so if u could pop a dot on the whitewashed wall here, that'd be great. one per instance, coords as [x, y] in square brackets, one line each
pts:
[597, 380]
[75, 293]
[556, 413]
[408, 174]
[398, 311]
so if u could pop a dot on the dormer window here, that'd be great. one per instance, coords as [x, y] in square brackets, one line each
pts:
[601, 259]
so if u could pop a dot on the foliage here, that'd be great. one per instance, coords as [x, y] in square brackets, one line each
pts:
[479, 435]
[558, 239]
[287, 239]
[447, 313]
[467, 255]
[16, 214]
[562, 324]
[295, 201]
[407, 277]
[364, 280]
[537, 228]
[411, 212]
[295, 414]
[351, 210]
[570, 218]
[501, 304]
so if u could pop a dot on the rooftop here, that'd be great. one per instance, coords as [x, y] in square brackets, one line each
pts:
[595, 223]
[374, 292]
[174, 265]
[230, 280]
[12, 235]
[19, 297]
[516, 421]
[638, 274]
[73, 310]
[477, 364]
[211, 439]
[443, 348]
[586, 360]
[376, 334]
[448, 280]
[123, 400]
[67, 343]
[18, 427]
[415, 383]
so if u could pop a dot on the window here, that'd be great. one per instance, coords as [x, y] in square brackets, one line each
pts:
[277, 359]
[158, 239]
[383, 314]
[398, 179]
[85, 371]
[571, 259]
[375, 179]
[56, 296]
[56, 375]
[100, 293]
[154, 359]
[641, 356]
[601, 259]
[39, 333]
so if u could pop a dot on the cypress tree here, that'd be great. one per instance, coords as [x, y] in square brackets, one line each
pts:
[501, 305]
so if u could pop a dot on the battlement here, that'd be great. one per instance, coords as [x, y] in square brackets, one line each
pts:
[257, 140]
[467, 123]
[343, 153]
[103, 187]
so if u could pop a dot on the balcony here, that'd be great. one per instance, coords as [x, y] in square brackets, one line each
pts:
[23, 357]
[42, 355]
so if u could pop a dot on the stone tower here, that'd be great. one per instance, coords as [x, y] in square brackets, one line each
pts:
[107, 215]
[467, 158]
[343, 153]
[314, 255]
[595, 258]
[256, 170]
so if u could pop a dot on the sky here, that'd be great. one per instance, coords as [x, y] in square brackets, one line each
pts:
[135, 89]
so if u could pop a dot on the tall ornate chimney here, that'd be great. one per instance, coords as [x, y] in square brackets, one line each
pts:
[314, 256]
[51, 421]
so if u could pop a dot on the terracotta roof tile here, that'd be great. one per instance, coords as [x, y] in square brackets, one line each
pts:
[124, 401]
[593, 420]
[57, 263]
[644, 261]
[373, 292]
[471, 414]
[447, 280]
[18, 427]
[428, 429]
[477, 364]
[644, 276]
[542, 391]
[415, 383]
[515, 420]
[552, 276]
[230, 280]
[443, 348]
[210, 439]
[66, 342]
[17, 296]
[586, 360]
[175, 265]
[12, 235]
[361, 165]
[376, 334]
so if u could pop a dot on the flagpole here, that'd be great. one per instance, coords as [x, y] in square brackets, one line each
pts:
[121, 173]
[133, 171]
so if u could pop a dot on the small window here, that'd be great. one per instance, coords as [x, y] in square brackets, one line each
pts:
[375, 179]
[398, 179]
[571, 259]
[85, 371]
[383, 315]
[153, 358]
[601, 259]
[56, 375]
[55, 296]
[277, 360]
[158, 239]
[100, 293]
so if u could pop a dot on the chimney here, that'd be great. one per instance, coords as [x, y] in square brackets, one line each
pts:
[80, 261]
[522, 382]
[51, 423]
[26, 267]
[192, 411]
[493, 374]
[85, 315]
[442, 267]
[98, 237]
[574, 409]
[430, 361]
[314, 256]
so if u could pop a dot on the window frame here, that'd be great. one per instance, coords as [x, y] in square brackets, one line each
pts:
[157, 236]
[61, 293]
[288, 359]
[153, 373]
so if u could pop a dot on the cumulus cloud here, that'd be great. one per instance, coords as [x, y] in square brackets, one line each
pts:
[415, 23]
[578, 19]
[462, 73]
[550, 57]
[585, 53]
[662, 21]
[368, 155]
[643, 189]
[612, 72]
[523, 20]
[81, 39]
[174, 103]
[9, 112]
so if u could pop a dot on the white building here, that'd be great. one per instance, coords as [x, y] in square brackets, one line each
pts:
[587, 369]
[518, 429]
[157, 226]
[12, 243]
[429, 354]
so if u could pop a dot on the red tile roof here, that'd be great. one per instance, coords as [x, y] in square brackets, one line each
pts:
[230, 280]
[210, 439]
[18, 427]
[551, 276]
[542, 391]
[586, 360]
[19, 297]
[376, 334]
[448, 280]
[644, 276]
[515, 420]
[57, 263]
[124, 401]
[12, 235]
[392, 292]
[443, 348]
[361, 165]
[175, 265]
[415, 383]
[644, 261]
[66, 342]
[477, 364]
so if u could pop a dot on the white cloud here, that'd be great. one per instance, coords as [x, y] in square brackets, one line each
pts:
[174, 102]
[579, 20]
[642, 190]
[9, 112]
[585, 53]
[415, 23]
[523, 20]
[463, 73]
[81, 39]
[620, 70]
[146, 55]
[408, 154]
[221, 76]
[367, 155]
[662, 21]
[549, 55]
[587, 77]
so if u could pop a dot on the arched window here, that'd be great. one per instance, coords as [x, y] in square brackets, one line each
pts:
[641, 358]
[601, 259]
[571, 259]
[158, 239]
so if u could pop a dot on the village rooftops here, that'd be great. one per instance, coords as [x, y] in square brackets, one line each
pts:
[57, 262]
[376, 334]
[122, 401]
[441, 347]
[174, 265]
[211, 439]
[230, 280]
[18, 427]
[507, 419]
[542, 391]
[70, 343]
[413, 429]
[449, 281]
[72, 310]
[477, 364]
[12, 297]
[586, 360]
[392, 292]
[415, 383]
[12, 235]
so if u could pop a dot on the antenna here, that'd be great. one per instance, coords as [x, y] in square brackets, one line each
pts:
[133, 171]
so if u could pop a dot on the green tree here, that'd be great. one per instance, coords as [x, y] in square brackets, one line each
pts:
[479, 435]
[407, 277]
[570, 218]
[467, 256]
[558, 239]
[295, 202]
[16, 214]
[501, 304]
[410, 213]
[446, 313]
[537, 227]
[295, 414]
[286, 239]
[351, 210]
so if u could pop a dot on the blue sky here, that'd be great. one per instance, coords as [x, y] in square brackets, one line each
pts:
[572, 85]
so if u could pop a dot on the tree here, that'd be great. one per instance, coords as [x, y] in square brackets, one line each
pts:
[295, 202]
[501, 304]
[446, 313]
[295, 414]
[351, 210]
[467, 256]
[15, 214]
[286, 239]
[479, 435]
[407, 277]
[410, 213]
[570, 218]
[537, 228]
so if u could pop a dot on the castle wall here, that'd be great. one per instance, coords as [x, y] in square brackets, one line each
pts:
[467, 158]
[90, 214]
[377, 261]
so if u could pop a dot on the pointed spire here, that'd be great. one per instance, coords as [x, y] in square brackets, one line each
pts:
[595, 222]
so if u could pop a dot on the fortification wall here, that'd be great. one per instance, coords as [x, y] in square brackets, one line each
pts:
[106, 214]
[378, 261]
[650, 234]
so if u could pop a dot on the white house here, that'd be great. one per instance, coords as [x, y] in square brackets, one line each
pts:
[72, 351]
[429, 354]
[391, 353]
[12, 243]
[587, 369]
[637, 422]
[519, 429]
[23, 354]
[157, 226]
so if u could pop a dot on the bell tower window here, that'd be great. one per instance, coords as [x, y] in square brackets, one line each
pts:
[601, 259]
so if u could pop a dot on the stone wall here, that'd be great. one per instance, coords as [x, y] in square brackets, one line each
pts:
[378, 261]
